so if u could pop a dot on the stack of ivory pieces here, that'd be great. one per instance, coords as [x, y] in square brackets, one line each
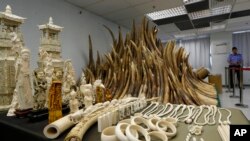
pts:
[140, 66]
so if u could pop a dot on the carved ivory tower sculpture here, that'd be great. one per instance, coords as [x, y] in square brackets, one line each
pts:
[50, 43]
[50, 52]
[11, 43]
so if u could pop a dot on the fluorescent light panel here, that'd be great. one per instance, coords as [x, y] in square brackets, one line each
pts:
[237, 32]
[177, 11]
[183, 35]
[213, 12]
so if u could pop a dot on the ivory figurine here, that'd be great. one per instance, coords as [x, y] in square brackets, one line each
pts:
[55, 97]
[17, 44]
[87, 91]
[69, 80]
[49, 69]
[24, 83]
[83, 79]
[40, 86]
[73, 102]
[108, 95]
[14, 105]
[98, 91]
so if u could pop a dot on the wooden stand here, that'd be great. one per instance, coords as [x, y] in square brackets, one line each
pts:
[22, 113]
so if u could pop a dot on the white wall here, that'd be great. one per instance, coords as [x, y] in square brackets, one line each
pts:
[77, 27]
[219, 61]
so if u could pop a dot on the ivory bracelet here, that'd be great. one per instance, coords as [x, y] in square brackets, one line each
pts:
[159, 135]
[131, 137]
[108, 134]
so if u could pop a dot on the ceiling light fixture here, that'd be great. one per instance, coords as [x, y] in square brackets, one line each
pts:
[213, 12]
[238, 32]
[177, 11]
[184, 35]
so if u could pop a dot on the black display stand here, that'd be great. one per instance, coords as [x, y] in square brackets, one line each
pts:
[38, 115]
[12, 129]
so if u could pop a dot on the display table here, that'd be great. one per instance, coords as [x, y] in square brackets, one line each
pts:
[12, 128]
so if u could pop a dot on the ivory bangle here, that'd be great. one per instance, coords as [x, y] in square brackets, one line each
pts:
[139, 129]
[125, 121]
[168, 125]
[152, 123]
[108, 134]
[159, 135]
[54, 129]
[139, 120]
[119, 131]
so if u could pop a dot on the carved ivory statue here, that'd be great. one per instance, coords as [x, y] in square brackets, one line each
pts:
[87, 91]
[24, 83]
[49, 69]
[73, 102]
[83, 79]
[55, 97]
[98, 89]
[40, 86]
[43, 54]
[17, 45]
[69, 80]
[14, 105]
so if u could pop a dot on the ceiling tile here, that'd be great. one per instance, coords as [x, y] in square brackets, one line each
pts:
[107, 6]
[137, 2]
[184, 25]
[83, 3]
[168, 28]
[240, 14]
[237, 24]
[180, 18]
[157, 5]
[198, 6]
[200, 25]
[241, 6]
[123, 14]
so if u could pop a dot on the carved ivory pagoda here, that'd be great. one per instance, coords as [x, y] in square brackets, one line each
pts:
[10, 38]
[50, 43]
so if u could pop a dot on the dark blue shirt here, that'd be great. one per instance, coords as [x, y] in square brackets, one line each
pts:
[235, 59]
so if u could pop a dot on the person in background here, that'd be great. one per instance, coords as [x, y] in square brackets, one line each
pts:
[235, 61]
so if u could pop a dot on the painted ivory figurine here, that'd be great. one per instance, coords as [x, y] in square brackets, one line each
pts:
[98, 88]
[24, 83]
[73, 102]
[40, 86]
[108, 95]
[55, 97]
[87, 91]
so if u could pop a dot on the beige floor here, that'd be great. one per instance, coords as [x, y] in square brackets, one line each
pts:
[227, 102]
